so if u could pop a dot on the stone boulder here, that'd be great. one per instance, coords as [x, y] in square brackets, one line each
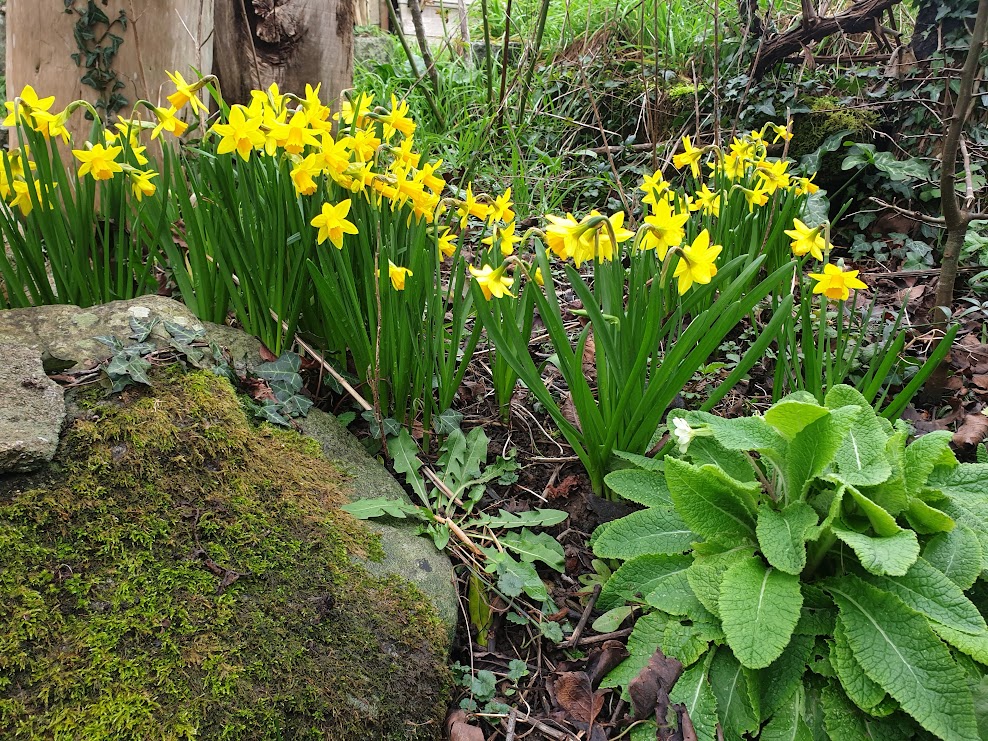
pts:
[179, 572]
[32, 409]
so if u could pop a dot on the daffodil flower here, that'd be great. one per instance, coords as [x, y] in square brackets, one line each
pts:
[303, 175]
[397, 119]
[664, 230]
[398, 275]
[696, 262]
[22, 195]
[653, 186]
[835, 283]
[806, 240]
[332, 223]
[472, 207]
[493, 283]
[141, 183]
[596, 241]
[447, 242]
[185, 92]
[501, 208]
[167, 121]
[241, 133]
[774, 176]
[707, 201]
[756, 197]
[563, 235]
[505, 237]
[27, 104]
[100, 161]
[689, 156]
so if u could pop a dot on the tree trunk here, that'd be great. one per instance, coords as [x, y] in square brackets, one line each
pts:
[289, 42]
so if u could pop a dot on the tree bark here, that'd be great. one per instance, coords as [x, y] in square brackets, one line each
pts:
[288, 42]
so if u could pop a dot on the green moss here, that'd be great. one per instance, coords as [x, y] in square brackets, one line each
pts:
[121, 617]
[827, 116]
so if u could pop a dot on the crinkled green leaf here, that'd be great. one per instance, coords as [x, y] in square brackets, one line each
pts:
[882, 522]
[612, 619]
[787, 723]
[735, 463]
[923, 455]
[693, 691]
[812, 449]
[641, 461]
[975, 646]
[672, 594]
[845, 722]
[707, 572]
[365, 509]
[790, 416]
[639, 576]
[643, 487]
[861, 458]
[531, 547]
[654, 530]
[957, 554]
[891, 494]
[897, 649]
[782, 535]
[530, 518]
[740, 433]
[926, 519]
[780, 679]
[711, 503]
[688, 642]
[730, 688]
[863, 692]
[930, 592]
[759, 607]
[966, 483]
[892, 556]
[644, 639]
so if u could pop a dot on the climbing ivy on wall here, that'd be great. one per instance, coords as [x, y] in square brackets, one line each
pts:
[97, 46]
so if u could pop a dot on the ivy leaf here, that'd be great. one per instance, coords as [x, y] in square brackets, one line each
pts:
[931, 593]
[782, 535]
[892, 556]
[654, 530]
[532, 547]
[638, 577]
[863, 692]
[141, 328]
[693, 691]
[185, 335]
[730, 688]
[711, 503]
[759, 607]
[642, 487]
[366, 509]
[130, 366]
[284, 369]
[445, 423]
[957, 554]
[642, 642]
[897, 649]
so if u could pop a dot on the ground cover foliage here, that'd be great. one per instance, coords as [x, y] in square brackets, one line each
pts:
[526, 265]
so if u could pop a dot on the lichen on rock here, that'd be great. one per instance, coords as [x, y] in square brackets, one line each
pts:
[179, 573]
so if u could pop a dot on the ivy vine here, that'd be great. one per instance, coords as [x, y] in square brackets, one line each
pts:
[97, 48]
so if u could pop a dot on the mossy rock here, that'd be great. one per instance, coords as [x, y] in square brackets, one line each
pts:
[179, 573]
[826, 117]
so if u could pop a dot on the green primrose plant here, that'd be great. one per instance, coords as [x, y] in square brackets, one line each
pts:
[817, 574]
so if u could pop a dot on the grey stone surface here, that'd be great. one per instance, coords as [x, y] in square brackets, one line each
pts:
[32, 410]
[63, 336]
[372, 49]
[406, 554]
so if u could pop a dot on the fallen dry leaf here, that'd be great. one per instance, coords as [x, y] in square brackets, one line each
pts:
[573, 692]
[563, 489]
[973, 431]
[650, 689]
[459, 730]
[603, 659]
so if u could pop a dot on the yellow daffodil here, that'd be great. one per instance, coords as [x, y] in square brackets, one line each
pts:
[492, 282]
[185, 93]
[781, 132]
[689, 156]
[295, 135]
[806, 240]
[28, 104]
[398, 275]
[733, 166]
[537, 277]
[141, 183]
[774, 176]
[696, 262]
[100, 161]
[335, 155]
[835, 283]
[563, 235]
[332, 223]
[364, 144]
[472, 207]
[447, 242]
[22, 195]
[707, 201]
[756, 197]
[241, 133]
[315, 112]
[505, 237]
[806, 186]
[304, 174]
[167, 121]
[596, 242]
[665, 230]
[429, 179]
[501, 208]
[405, 154]
[741, 149]
[397, 119]
[52, 125]
[653, 186]
[354, 112]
